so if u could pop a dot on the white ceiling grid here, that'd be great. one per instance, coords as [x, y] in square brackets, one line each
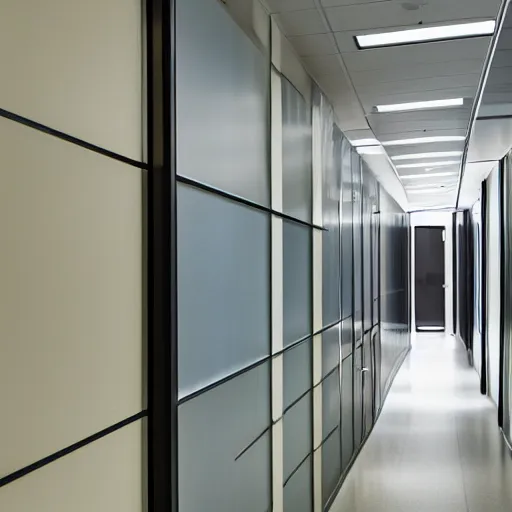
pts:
[322, 32]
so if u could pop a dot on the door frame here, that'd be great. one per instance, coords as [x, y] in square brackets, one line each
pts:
[442, 229]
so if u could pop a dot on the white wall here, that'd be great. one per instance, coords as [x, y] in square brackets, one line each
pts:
[443, 219]
[493, 284]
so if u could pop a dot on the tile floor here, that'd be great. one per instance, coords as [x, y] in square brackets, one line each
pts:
[436, 446]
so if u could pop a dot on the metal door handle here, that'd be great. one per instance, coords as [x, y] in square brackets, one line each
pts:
[445, 285]
[363, 370]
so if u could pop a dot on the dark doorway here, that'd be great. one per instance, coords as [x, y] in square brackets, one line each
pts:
[429, 278]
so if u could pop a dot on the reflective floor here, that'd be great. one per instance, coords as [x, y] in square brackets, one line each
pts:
[436, 446]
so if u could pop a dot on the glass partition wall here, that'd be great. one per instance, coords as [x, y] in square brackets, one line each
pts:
[279, 277]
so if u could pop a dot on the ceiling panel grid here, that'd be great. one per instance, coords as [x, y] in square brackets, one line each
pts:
[356, 81]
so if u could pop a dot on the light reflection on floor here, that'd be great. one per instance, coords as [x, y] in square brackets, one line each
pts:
[436, 446]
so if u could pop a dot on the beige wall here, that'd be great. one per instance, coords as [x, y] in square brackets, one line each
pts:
[71, 256]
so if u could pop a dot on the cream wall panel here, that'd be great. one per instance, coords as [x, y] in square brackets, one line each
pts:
[71, 295]
[76, 67]
[103, 476]
[285, 59]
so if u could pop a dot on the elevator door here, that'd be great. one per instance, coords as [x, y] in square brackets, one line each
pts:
[429, 278]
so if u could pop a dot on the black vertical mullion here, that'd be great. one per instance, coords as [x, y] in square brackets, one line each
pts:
[503, 285]
[161, 257]
[483, 294]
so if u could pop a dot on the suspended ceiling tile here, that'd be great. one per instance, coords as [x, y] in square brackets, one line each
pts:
[496, 98]
[502, 58]
[277, 6]
[313, 45]
[422, 172]
[505, 40]
[508, 20]
[337, 3]
[417, 126]
[409, 134]
[403, 56]
[419, 85]
[424, 148]
[323, 65]
[299, 23]
[441, 69]
[368, 16]
[392, 14]
[499, 76]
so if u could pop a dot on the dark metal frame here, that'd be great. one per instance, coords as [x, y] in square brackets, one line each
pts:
[455, 249]
[418, 328]
[483, 288]
[503, 289]
[161, 257]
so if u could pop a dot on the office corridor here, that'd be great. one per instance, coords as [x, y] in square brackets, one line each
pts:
[436, 446]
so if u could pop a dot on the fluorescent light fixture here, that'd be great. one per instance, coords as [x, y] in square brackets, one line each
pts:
[424, 140]
[424, 34]
[365, 142]
[370, 150]
[419, 156]
[430, 165]
[421, 105]
[430, 175]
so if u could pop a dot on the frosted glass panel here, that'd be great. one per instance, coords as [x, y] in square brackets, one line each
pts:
[346, 230]
[222, 102]
[331, 465]
[296, 281]
[297, 491]
[347, 430]
[346, 337]
[331, 265]
[357, 241]
[297, 434]
[297, 372]
[330, 349]
[358, 397]
[214, 428]
[331, 408]
[331, 273]
[297, 165]
[223, 287]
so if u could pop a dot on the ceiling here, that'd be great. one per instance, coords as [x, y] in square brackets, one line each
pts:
[322, 32]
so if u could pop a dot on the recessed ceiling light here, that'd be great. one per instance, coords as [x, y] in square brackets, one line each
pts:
[420, 105]
[365, 142]
[431, 165]
[426, 34]
[431, 175]
[418, 156]
[424, 140]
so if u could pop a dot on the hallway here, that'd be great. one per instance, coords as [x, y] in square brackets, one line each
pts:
[436, 446]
